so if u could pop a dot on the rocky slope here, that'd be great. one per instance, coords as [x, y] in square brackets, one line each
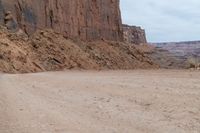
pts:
[85, 19]
[49, 51]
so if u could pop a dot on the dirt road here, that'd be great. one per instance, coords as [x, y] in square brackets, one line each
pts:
[141, 101]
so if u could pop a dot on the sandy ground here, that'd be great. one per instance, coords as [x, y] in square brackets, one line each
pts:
[139, 101]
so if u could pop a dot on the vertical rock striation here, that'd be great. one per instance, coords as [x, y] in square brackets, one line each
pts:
[84, 19]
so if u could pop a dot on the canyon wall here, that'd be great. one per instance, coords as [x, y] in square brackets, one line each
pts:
[181, 49]
[84, 19]
[134, 34]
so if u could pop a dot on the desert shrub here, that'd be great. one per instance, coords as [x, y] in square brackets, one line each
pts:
[194, 62]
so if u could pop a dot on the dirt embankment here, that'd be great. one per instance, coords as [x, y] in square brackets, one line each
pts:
[49, 51]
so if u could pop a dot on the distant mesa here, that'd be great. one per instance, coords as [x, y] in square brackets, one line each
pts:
[134, 34]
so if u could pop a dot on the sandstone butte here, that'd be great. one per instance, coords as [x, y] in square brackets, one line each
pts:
[84, 19]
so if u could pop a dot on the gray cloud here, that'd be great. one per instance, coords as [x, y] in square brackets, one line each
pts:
[164, 20]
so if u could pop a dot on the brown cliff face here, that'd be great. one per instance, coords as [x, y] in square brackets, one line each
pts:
[84, 19]
[134, 34]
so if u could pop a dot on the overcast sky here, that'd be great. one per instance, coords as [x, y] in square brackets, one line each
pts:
[164, 20]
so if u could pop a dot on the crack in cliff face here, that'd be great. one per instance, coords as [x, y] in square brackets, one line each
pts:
[85, 19]
[2, 11]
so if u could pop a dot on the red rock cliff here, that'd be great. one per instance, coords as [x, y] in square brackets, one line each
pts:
[85, 19]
